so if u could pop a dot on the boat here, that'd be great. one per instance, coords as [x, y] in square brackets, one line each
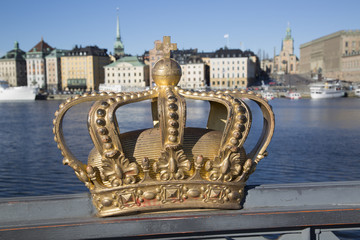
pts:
[293, 95]
[329, 89]
[16, 93]
[268, 95]
[357, 92]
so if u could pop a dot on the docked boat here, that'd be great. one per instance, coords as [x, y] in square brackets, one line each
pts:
[268, 95]
[16, 93]
[327, 90]
[293, 95]
[357, 92]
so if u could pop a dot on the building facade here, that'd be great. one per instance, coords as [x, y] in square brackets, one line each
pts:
[193, 74]
[232, 68]
[53, 70]
[82, 69]
[126, 73]
[333, 56]
[284, 63]
[36, 64]
[13, 67]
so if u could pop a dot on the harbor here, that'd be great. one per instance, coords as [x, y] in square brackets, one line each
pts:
[314, 141]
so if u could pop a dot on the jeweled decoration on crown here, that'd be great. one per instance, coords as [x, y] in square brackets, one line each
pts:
[169, 166]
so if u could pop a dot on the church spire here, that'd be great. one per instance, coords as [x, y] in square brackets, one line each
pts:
[288, 32]
[118, 38]
[118, 46]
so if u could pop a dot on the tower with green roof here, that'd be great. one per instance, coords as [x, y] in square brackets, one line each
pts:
[13, 67]
[288, 42]
[118, 46]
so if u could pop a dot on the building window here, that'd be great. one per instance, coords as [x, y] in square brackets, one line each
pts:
[346, 44]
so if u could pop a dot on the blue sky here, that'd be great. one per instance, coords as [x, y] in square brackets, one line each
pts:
[198, 24]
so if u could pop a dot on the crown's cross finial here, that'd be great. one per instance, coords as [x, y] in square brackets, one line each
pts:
[166, 46]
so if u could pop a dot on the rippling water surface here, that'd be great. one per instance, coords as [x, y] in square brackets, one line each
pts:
[315, 140]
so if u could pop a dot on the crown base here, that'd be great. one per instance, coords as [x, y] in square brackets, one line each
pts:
[170, 195]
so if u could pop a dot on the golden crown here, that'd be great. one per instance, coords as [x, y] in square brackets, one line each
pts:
[169, 166]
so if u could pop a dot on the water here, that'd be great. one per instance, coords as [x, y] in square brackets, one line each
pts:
[314, 141]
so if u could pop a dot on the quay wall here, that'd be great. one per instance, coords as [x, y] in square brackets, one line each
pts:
[278, 94]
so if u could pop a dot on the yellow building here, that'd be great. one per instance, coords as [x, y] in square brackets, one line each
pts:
[232, 68]
[82, 69]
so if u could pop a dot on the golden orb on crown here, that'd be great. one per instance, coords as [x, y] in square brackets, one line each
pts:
[166, 72]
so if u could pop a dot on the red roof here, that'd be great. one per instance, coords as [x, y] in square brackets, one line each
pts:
[42, 46]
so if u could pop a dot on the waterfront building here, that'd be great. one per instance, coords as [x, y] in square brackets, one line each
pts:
[36, 64]
[286, 62]
[53, 70]
[127, 73]
[13, 67]
[82, 68]
[350, 67]
[334, 56]
[193, 74]
[232, 68]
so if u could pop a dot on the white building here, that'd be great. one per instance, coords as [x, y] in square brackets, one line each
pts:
[126, 74]
[36, 65]
[193, 74]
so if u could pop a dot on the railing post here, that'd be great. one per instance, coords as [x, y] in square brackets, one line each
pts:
[306, 234]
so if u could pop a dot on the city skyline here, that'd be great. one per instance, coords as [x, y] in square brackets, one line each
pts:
[191, 24]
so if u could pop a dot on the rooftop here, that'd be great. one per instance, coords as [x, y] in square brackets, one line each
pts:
[133, 60]
[42, 46]
[87, 51]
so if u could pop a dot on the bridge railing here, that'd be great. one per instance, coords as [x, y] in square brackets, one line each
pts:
[323, 211]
